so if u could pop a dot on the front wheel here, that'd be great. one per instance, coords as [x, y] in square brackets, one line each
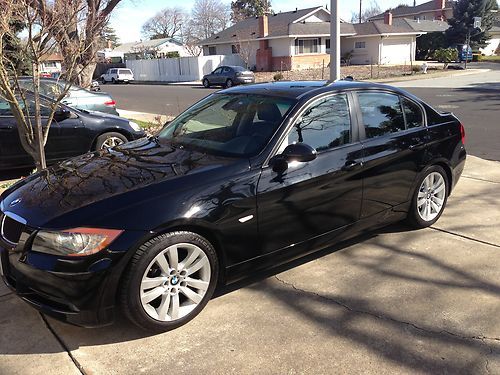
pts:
[109, 140]
[229, 83]
[169, 281]
[430, 198]
[206, 83]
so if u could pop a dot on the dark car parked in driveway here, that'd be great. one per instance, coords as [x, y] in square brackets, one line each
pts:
[228, 76]
[73, 132]
[76, 97]
[246, 179]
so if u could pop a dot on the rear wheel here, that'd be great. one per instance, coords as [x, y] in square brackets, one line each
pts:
[169, 281]
[430, 198]
[110, 140]
[206, 83]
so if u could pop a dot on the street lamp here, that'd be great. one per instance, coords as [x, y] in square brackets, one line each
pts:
[334, 41]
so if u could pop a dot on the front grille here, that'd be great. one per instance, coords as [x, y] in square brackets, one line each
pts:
[11, 229]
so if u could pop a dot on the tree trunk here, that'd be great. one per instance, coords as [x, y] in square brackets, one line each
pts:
[85, 77]
[39, 143]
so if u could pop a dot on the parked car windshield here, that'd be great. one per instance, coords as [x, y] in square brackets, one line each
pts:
[235, 125]
[124, 71]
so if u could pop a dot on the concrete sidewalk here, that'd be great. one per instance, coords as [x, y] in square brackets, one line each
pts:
[394, 301]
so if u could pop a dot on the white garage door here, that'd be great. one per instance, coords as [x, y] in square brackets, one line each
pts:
[396, 51]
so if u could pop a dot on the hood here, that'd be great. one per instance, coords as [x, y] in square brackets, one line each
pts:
[97, 178]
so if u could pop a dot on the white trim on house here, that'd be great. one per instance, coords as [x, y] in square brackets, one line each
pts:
[310, 14]
[420, 33]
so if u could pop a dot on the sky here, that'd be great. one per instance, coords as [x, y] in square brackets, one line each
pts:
[130, 15]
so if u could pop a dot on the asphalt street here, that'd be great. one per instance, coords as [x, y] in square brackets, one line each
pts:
[475, 99]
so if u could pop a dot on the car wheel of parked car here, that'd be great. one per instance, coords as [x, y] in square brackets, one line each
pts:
[206, 83]
[169, 281]
[114, 81]
[108, 140]
[430, 197]
[229, 83]
[103, 81]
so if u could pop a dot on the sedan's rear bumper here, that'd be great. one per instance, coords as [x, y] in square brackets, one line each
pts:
[244, 80]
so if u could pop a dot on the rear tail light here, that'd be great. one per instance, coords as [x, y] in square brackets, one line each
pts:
[110, 103]
[462, 133]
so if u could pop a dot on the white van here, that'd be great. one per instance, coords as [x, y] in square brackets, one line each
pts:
[117, 75]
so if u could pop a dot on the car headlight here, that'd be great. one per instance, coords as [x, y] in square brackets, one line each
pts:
[74, 242]
[135, 126]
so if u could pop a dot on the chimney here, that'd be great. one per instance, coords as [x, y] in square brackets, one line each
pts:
[110, 44]
[440, 4]
[263, 26]
[388, 18]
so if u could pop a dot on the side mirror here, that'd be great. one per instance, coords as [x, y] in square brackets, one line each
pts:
[62, 114]
[298, 152]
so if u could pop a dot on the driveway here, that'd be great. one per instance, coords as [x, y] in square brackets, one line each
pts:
[395, 301]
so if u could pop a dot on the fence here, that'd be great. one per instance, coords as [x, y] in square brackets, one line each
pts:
[183, 69]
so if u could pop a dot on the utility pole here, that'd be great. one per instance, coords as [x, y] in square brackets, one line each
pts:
[334, 41]
[360, 11]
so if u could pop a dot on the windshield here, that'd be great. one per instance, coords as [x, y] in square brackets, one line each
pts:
[124, 71]
[238, 125]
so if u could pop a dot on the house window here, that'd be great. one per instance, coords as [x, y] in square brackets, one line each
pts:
[212, 50]
[327, 44]
[50, 64]
[360, 45]
[235, 49]
[303, 46]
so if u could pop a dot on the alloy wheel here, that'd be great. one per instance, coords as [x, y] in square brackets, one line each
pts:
[175, 282]
[431, 196]
[112, 142]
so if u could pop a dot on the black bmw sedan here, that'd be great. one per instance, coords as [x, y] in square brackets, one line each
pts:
[246, 179]
[73, 132]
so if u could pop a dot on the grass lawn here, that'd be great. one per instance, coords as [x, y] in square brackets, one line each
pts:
[491, 59]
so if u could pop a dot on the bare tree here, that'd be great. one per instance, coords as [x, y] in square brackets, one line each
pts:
[246, 49]
[84, 28]
[209, 17]
[167, 23]
[26, 106]
[364, 15]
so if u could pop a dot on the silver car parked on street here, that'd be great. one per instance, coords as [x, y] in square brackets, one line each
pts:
[77, 97]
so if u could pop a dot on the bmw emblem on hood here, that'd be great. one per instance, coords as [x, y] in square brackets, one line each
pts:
[15, 202]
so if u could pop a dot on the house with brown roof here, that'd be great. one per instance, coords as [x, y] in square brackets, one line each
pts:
[51, 65]
[441, 10]
[301, 39]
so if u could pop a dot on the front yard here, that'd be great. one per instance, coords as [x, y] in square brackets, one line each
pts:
[358, 72]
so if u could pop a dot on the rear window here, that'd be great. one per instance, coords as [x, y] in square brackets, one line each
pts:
[239, 69]
[124, 71]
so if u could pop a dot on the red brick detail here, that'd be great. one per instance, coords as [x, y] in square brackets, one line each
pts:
[263, 26]
[264, 58]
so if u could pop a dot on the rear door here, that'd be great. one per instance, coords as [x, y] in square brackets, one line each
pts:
[312, 199]
[394, 136]
[12, 153]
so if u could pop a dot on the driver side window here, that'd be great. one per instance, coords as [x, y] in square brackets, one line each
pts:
[325, 124]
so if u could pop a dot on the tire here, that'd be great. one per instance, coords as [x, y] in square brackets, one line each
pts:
[108, 140]
[103, 81]
[114, 81]
[152, 306]
[229, 83]
[206, 83]
[427, 206]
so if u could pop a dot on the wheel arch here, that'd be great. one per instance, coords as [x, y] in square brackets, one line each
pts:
[123, 132]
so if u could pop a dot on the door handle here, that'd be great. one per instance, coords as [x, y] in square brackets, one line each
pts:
[417, 145]
[350, 165]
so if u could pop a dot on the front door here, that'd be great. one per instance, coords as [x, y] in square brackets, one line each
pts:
[394, 138]
[311, 199]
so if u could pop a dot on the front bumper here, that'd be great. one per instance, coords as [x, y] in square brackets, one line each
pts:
[79, 291]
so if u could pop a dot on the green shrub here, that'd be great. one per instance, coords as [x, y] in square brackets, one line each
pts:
[446, 55]
[477, 57]
[278, 76]
[172, 55]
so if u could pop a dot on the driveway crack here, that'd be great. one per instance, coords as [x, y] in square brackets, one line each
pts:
[63, 344]
[465, 237]
[347, 307]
